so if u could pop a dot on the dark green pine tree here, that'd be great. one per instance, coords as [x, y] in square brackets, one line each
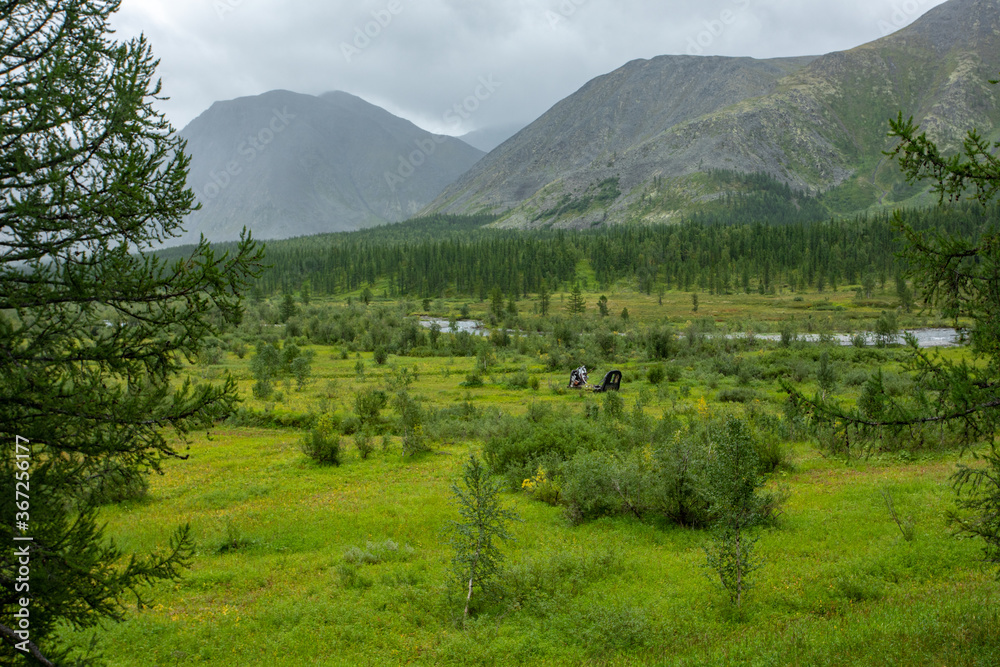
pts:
[93, 329]
[543, 300]
[576, 304]
[496, 303]
[287, 309]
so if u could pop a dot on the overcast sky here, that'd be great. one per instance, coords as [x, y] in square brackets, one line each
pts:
[419, 58]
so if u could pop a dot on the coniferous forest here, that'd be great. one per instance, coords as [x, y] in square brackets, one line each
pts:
[733, 250]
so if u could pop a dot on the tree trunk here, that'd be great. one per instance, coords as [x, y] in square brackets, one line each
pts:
[739, 571]
[9, 635]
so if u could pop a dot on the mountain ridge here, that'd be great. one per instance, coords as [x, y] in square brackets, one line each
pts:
[816, 123]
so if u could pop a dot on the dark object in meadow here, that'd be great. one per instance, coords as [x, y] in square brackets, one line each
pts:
[612, 380]
[578, 378]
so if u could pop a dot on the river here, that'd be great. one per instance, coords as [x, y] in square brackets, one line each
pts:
[925, 337]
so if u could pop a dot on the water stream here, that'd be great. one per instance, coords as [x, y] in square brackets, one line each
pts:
[925, 337]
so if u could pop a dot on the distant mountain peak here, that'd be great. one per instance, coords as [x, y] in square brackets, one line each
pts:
[286, 164]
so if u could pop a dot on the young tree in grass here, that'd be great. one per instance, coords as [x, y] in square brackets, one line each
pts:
[512, 305]
[826, 377]
[264, 366]
[484, 524]
[543, 300]
[733, 480]
[496, 303]
[93, 328]
[287, 309]
[576, 304]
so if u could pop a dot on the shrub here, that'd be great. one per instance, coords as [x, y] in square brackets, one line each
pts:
[587, 487]
[607, 342]
[518, 450]
[364, 443]
[262, 389]
[368, 405]
[655, 374]
[733, 480]
[518, 380]
[410, 423]
[770, 434]
[614, 628]
[377, 552]
[788, 335]
[614, 405]
[234, 539]
[473, 379]
[321, 443]
[538, 411]
[661, 342]
[673, 372]
[677, 489]
[542, 486]
[350, 425]
[736, 395]
[301, 368]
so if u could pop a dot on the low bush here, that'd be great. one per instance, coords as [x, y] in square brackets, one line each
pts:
[673, 372]
[321, 443]
[518, 380]
[736, 395]
[588, 489]
[364, 443]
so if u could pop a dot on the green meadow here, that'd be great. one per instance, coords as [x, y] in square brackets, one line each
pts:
[302, 563]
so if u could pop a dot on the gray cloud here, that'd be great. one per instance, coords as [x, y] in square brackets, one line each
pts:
[419, 59]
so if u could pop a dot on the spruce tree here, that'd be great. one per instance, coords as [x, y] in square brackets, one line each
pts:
[484, 523]
[576, 304]
[93, 328]
[543, 300]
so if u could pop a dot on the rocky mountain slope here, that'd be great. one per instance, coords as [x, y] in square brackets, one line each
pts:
[286, 164]
[638, 142]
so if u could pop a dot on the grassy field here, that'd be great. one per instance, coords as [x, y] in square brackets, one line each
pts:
[299, 563]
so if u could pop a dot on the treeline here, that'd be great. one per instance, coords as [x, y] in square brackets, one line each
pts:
[761, 236]
[458, 256]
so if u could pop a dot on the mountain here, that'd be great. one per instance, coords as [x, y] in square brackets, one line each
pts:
[286, 164]
[648, 140]
[488, 138]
